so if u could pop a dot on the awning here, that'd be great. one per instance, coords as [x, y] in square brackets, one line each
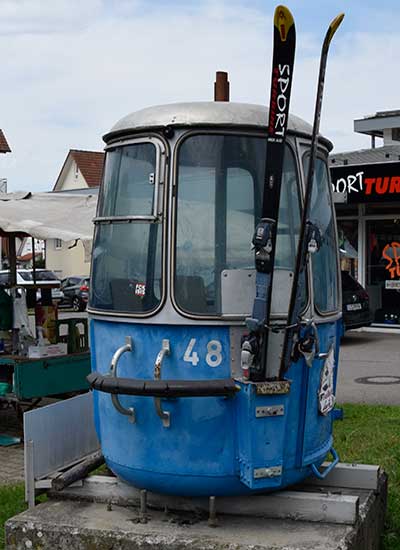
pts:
[49, 215]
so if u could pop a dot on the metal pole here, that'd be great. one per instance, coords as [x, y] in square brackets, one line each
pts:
[12, 259]
[13, 284]
[33, 262]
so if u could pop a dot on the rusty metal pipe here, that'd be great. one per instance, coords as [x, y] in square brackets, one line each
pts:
[221, 86]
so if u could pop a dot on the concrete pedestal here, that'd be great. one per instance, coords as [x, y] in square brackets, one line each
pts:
[78, 523]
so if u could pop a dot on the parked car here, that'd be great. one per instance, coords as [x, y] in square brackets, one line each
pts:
[44, 277]
[356, 310]
[76, 292]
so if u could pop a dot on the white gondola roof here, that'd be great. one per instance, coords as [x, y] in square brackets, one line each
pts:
[200, 114]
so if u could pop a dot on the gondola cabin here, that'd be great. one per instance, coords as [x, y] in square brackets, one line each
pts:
[173, 281]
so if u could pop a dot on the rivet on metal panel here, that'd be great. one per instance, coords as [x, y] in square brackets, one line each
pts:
[273, 387]
[276, 410]
[273, 471]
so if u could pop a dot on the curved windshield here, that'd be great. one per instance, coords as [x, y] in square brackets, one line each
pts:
[220, 181]
[324, 261]
[127, 248]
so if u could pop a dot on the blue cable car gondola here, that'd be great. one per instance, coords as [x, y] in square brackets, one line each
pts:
[173, 281]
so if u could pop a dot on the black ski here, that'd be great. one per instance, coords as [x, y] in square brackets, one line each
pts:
[310, 237]
[254, 345]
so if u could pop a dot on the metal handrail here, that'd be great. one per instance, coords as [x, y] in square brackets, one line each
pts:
[164, 415]
[113, 373]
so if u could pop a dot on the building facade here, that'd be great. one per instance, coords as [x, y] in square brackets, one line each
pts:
[366, 186]
[81, 173]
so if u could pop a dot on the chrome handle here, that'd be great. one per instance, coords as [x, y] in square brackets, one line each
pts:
[113, 373]
[165, 350]
[164, 415]
[115, 358]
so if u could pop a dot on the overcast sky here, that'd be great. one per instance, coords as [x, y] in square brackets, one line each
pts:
[70, 69]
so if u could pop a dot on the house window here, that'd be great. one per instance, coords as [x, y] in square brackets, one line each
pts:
[57, 244]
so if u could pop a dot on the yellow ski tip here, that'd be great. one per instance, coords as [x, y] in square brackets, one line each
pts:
[335, 24]
[283, 21]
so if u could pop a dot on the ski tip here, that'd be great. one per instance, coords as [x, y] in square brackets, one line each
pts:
[334, 25]
[283, 21]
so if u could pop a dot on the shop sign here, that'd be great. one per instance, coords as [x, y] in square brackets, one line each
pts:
[391, 253]
[364, 183]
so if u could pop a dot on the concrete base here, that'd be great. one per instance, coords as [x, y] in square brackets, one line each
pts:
[82, 525]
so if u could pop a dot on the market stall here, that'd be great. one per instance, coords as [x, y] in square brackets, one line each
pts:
[45, 356]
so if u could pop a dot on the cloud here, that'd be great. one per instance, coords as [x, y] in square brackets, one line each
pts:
[69, 74]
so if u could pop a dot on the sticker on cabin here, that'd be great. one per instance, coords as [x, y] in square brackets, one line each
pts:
[140, 289]
[326, 396]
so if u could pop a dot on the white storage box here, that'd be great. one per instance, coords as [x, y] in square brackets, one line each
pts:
[50, 350]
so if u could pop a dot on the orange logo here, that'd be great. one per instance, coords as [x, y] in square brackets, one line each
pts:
[391, 252]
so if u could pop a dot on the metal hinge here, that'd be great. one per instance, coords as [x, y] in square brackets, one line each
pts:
[273, 471]
[276, 410]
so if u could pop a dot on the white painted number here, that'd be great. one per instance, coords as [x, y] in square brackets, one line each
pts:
[190, 355]
[214, 357]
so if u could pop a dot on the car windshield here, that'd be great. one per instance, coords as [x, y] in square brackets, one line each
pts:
[26, 275]
[73, 281]
[45, 276]
[41, 275]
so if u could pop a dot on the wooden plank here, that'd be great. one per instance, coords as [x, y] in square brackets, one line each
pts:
[79, 471]
[349, 476]
[296, 505]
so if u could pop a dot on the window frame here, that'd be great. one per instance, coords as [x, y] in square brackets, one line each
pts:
[174, 185]
[160, 203]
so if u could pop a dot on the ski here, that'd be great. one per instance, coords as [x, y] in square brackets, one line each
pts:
[254, 345]
[310, 237]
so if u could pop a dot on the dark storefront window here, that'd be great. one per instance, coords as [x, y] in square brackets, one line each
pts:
[383, 270]
[348, 246]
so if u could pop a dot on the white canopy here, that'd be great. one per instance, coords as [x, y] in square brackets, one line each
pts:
[49, 215]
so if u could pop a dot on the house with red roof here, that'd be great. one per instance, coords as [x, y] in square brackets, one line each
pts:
[81, 170]
[81, 173]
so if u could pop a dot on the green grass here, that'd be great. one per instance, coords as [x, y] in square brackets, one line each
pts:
[11, 503]
[371, 435]
[368, 434]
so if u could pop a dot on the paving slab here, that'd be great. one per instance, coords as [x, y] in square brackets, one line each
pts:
[369, 368]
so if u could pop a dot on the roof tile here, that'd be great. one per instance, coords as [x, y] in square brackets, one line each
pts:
[4, 147]
[90, 163]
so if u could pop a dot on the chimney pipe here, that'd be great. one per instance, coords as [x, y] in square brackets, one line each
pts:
[221, 86]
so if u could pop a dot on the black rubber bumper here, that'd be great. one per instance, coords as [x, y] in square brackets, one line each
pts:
[163, 388]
